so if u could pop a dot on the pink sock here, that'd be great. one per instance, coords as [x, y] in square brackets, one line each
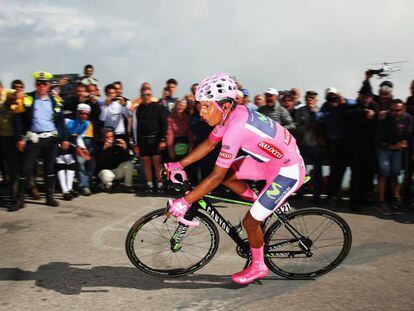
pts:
[257, 256]
[249, 195]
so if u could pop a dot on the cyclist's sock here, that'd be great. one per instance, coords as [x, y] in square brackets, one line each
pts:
[257, 255]
[249, 195]
[255, 271]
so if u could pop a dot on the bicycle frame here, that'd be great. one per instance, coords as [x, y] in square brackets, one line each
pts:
[233, 233]
[225, 225]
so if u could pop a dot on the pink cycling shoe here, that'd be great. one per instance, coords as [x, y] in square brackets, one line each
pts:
[256, 270]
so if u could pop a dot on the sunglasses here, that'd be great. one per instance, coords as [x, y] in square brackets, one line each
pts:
[41, 83]
[146, 95]
[83, 112]
[396, 110]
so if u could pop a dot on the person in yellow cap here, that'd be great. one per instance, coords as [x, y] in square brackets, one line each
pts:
[39, 131]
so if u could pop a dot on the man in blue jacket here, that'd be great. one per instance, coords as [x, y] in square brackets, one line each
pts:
[39, 131]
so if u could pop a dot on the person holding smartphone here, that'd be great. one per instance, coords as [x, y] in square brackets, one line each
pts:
[115, 113]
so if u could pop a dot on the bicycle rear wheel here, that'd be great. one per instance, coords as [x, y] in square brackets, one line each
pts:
[320, 242]
[151, 244]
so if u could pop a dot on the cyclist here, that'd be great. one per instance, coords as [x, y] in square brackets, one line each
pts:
[272, 155]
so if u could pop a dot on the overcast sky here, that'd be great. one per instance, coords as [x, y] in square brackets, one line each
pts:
[310, 44]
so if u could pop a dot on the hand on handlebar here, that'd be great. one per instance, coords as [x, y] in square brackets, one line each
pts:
[174, 169]
[178, 207]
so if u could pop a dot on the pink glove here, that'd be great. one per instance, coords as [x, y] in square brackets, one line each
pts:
[174, 168]
[178, 207]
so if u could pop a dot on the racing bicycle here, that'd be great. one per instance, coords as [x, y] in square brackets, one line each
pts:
[298, 244]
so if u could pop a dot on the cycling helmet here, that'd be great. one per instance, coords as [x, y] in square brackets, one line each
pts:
[217, 88]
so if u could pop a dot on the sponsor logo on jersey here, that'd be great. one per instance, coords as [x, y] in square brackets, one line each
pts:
[260, 124]
[227, 147]
[270, 149]
[287, 137]
[225, 155]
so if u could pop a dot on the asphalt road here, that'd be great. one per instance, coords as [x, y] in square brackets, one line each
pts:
[72, 258]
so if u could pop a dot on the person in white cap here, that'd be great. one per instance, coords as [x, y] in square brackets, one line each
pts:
[275, 111]
[65, 161]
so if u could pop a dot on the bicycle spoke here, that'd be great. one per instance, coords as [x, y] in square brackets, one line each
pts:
[326, 228]
[327, 247]
[152, 249]
[152, 242]
[323, 255]
[194, 234]
[318, 227]
[152, 253]
[186, 256]
[306, 227]
[194, 243]
[160, 234]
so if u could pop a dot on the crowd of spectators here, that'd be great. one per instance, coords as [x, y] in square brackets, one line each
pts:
[95, 139]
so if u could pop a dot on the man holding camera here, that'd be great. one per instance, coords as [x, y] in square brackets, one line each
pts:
[39, 131]
[115, 113]
[168, 95]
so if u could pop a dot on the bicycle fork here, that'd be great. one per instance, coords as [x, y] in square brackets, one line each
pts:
[177, 237]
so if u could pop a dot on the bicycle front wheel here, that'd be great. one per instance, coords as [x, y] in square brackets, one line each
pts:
[152, 246]
[311, 243]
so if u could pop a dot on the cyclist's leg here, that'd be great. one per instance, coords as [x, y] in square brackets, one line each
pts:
[257, 268]
[243, 168]
[277, 190]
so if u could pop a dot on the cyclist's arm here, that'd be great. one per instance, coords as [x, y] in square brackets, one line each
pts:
[211, 182]
[231, 143]
[199, 152]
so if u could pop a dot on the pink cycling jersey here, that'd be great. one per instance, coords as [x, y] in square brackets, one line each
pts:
[259, 136]
[272, 155]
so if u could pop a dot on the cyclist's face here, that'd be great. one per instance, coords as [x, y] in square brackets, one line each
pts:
[210, 113]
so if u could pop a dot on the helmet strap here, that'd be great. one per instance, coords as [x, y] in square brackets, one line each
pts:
[225, 114]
